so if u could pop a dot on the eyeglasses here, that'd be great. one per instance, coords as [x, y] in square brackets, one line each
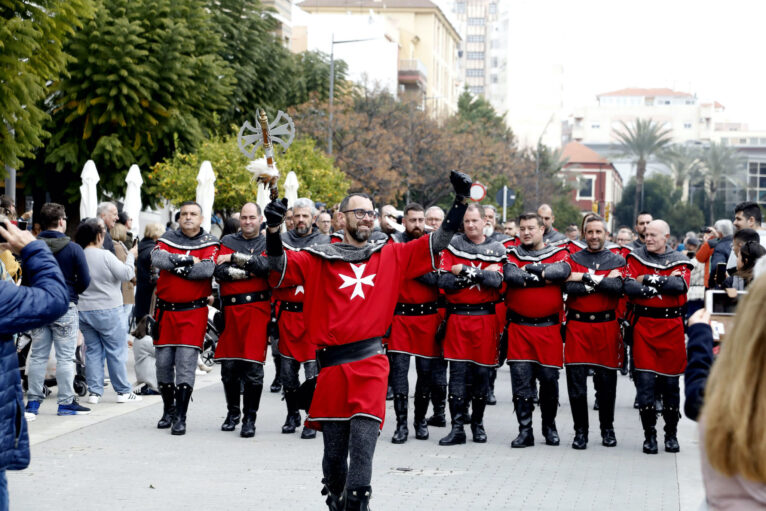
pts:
[361, 213]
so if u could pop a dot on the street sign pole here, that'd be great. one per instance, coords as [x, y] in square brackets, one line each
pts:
[505, 199]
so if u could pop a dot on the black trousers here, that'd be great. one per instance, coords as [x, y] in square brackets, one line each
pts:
[605, 382]
[461, 373]
[523, 376]
[438, 372]
[400, 368]
[241, 370]
[649, 384]
[348, 450]
[291, 367]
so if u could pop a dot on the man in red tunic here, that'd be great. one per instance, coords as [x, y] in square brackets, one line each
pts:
[658, 279]
[242, 272]
[351, 290]
[534, 275]
[592, 333]
[471, 277]
[186, 260]
[296, 348]
[413, 333]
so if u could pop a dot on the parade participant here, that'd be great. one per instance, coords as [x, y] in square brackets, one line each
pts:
[351, 290]
[509, 228]
[324, 223]
[295, 346]
[185, 258]
[656, 286]
[642, 220]
[550, 236]
[413, 333]
[471, 277]
[242, 273]
[592, 333]
[533, 275]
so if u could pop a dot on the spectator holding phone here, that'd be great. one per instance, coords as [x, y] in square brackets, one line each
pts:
[747, 256]
[24, 308]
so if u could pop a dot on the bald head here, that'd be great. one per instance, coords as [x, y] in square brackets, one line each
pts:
[546, 213]
[656, 236]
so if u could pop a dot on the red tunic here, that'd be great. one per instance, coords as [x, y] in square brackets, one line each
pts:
[594, 343]
[346, 302]
[659, 343]
[184, 328]
[540, 344]
[472, 338]
[244, 336]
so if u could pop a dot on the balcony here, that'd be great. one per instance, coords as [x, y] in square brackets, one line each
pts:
[412, 75]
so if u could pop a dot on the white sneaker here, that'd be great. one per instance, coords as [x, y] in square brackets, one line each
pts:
[93, 399]
[130, 397]
[30, 416]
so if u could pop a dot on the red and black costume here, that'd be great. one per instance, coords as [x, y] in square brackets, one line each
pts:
[413, 333]
[296, 348]
[593, 339]
[470, 341]
[535, 347]
[242, 345]
[507, 242]
[655, 312]
[182, 291]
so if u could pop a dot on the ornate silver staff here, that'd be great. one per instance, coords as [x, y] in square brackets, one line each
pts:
[265, 134]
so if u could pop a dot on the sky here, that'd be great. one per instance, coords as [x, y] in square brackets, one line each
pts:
[715, 49]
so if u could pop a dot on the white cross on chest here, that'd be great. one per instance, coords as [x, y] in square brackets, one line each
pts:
[471, 272]
[357, 280]
[299, 289]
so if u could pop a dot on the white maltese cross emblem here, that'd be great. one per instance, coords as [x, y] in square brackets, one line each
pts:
[357, 280]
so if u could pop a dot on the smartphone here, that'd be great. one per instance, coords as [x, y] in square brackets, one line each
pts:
[720, 273]
[22, 224]
[719, 303]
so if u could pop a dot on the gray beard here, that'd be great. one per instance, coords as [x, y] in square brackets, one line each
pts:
[488, 230]
[302, 231]
[357, 236]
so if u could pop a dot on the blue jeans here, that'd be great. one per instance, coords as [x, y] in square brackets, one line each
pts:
[127, 312]
[4, 504]
[62, 335]
[105, 339]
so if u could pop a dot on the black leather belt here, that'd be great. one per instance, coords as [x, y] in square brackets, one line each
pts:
[656, 312]
[291, 306]
[471, 309]
[591, 317]
[244, 298]
[551, 320]
[181, 306]
[351, 352]
[416, 309]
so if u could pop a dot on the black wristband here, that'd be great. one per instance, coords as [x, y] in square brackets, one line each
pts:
[274, 244]
[455, 216]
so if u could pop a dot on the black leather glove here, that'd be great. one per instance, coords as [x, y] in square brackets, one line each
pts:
[275, 212]
[536, 268]
[461, 184]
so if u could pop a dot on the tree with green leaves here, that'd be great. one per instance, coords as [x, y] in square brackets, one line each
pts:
[32, 37]
[146, 80]
[684, 162]
[312, 76]
[719, 165]
[642, 140]
[476, 114]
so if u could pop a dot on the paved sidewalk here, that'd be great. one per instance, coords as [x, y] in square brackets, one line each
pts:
[116, 459]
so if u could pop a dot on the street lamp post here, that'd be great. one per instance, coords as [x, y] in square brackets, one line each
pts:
[333, 42]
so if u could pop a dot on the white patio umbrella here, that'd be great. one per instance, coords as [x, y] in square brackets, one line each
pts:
[132, 206]
[291, 188]
[88, 194]
[206, 192]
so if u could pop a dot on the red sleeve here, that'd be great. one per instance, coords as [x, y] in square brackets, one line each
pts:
[447, 261]
[415, 257]
[294, 272]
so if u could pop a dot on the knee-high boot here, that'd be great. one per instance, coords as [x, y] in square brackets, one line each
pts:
[671, 416]
[400, 409]
[649, 421]
[477, 420]
[524, 408]
[231, 391]
[183, 396]
[293, 419]
[168, 392]
[548, 409]
[438, 399]
[421, 407]
[457, 411]
[606, 418]
[251, 401]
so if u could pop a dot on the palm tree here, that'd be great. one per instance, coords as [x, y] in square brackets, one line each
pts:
[719, 164]
[685, 164]
[642, 140]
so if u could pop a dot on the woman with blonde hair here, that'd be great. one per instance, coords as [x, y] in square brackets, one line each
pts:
[733, 418]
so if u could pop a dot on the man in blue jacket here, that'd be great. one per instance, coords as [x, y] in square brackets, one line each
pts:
[24, 308]
[61, 333]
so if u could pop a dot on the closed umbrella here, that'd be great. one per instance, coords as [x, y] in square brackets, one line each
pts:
[132, 206]
[291, 188]
[88, 194]
[206, 192]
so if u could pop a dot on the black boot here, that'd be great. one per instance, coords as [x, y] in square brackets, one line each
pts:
[477, 420]
[606, 420]
[251, 401]
[548, 408]
[580, 417]
[183, 396]
[276, 385]
[168, 392]
[400, 409]
[293, 419]
[491, 399]
[457, 411]
[358, 499]
[308, 433]
[524, 409]
[649, 421]
[421, 426]
[390, 394]
[438, 399]
[334, 500]
[231, 391]
[671, 416]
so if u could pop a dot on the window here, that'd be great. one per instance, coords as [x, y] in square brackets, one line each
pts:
[687, 125]
[475, 38]
[476, 22]
[460, 7]
[477, 90]
[474, 72]
[585, 187]
[493, 78]
[493, 8]
[475, 55]
[595, 126]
